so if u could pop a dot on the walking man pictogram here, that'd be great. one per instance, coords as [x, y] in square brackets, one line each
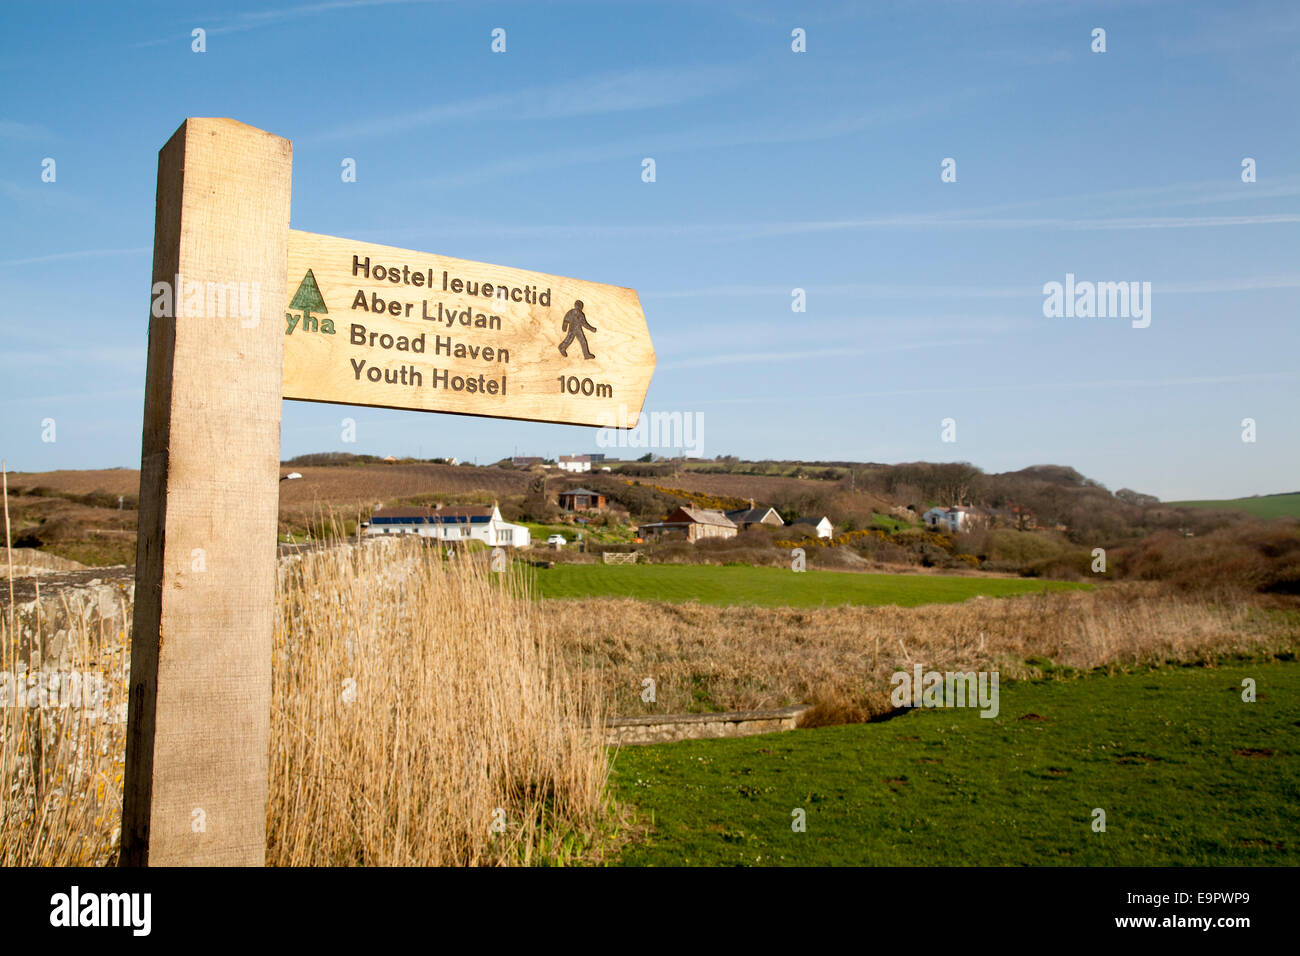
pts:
[574, 323]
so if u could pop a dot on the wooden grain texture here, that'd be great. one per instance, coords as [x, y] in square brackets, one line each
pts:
[199, 717]
[324, 362]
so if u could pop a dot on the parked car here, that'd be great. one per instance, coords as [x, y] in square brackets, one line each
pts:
[557, 540]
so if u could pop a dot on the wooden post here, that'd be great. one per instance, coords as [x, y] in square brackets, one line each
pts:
[196, 758]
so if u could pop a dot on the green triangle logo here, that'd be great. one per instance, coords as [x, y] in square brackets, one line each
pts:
[308, 297]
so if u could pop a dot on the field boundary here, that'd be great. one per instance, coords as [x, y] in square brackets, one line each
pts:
[666, 728]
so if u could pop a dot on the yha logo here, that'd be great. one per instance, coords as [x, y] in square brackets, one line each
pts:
[308, 300]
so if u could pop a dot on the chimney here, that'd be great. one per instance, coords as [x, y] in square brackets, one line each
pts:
[438, 506]
[751, 504]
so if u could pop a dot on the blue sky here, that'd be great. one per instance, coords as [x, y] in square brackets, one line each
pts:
[775, 170]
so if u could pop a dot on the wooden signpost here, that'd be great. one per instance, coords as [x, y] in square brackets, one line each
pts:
[407, 329]
[246, 312]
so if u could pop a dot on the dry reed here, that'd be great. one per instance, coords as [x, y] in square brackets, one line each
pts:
[840, 658]
[418, 711]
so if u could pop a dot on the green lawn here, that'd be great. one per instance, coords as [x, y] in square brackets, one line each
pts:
[1262, 506]
[540, 532]
[1186, 772]
[770, 587]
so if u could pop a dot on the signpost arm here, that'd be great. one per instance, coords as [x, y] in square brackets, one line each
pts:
[195, 787]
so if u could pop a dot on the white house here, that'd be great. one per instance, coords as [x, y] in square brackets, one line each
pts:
[957, 518]
[451, 524]
[574, 462]
[821, 523]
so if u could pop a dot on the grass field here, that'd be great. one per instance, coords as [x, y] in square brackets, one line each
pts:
[1262, 506]
[772, 587]
[1186, 772]
[540, 532]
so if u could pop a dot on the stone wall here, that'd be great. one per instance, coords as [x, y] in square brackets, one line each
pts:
[657, 729]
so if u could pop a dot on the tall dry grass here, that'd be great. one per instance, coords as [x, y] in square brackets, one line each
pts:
[840, 659]
[417, 705]
[419, 717]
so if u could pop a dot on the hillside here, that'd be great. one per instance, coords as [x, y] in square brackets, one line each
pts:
[89, 516]
[1259, 506]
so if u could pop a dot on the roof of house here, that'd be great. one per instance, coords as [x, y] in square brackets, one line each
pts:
[432, 515]
[582, 491]
[575, 458]
[750, 515]
[693, 516]
[704, 516]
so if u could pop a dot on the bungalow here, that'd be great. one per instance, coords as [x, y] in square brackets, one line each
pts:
[744, 518]
[525, 461]
[690, 524]
[954, 519]
[574, 462]
[451, 524]
[819, 523]
[582, 499]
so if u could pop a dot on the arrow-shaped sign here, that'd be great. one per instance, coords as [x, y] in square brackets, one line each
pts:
[381, 326]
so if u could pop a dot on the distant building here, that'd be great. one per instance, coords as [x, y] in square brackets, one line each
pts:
[819, 523]
[744, 518]
[526, 461]
[957, 518]
[690, 524]
[1022, 519]
[575, 463]
[582, 499]
[451, 524]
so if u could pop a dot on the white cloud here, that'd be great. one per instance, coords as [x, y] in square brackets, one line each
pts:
[78, 254]
[629, 90]
[10, 129]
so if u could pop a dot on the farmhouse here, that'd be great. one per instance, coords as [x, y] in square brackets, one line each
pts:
[582, 499]
[744, 518]
[575, 462]
[451, 524]
[954, 519]
[690, 524]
